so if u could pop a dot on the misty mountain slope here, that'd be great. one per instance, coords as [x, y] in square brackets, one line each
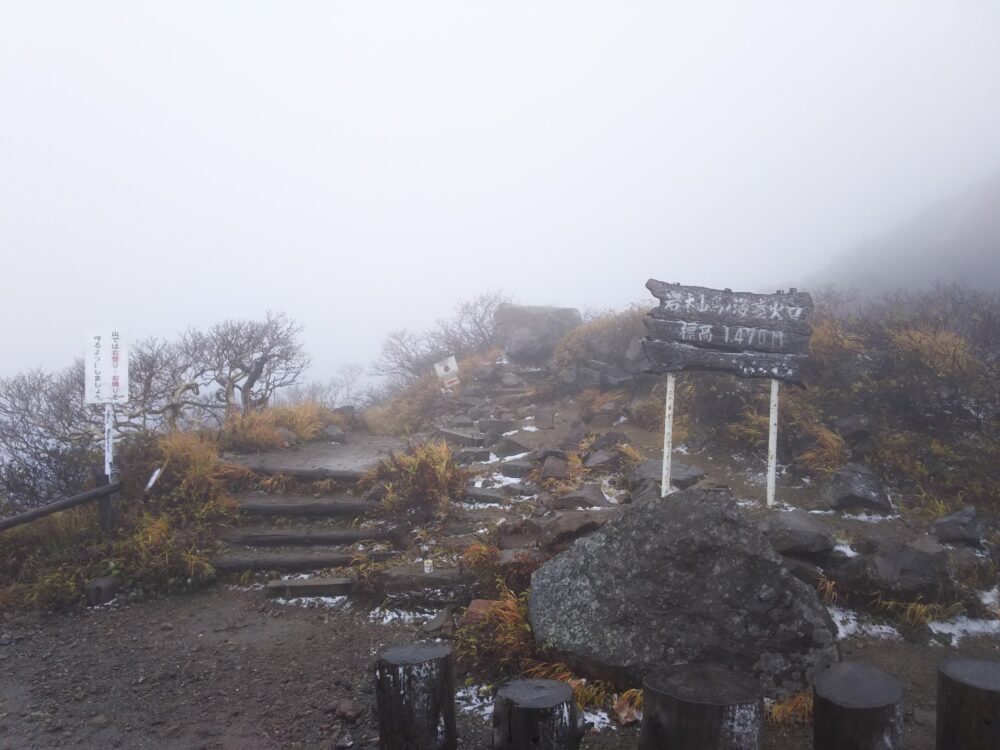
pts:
[957, 239]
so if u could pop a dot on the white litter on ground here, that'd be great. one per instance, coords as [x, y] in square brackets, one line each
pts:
[850, 623]
[313, 602]
[475, 700]
[846, 550]
[962, 626]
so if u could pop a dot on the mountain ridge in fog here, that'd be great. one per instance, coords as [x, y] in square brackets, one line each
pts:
[955, 239]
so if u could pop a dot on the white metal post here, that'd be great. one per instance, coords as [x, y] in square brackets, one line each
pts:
[668, 437]
[109, 439]
[772, 445]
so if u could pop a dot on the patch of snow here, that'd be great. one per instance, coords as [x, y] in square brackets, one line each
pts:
[296, 576]
[846, 550]
[479, 506]
[494, 459]
[475, 700]
[850, 623]
[599, 720]
[517, 456]
[991, 598]
[313, 602]
[822, 512]
[963, 626]
[250, 587]
[385, 616]
[622, 419]
[512, 432]
[529, 428]
[870, 517]
[499, 480]
[682, 449]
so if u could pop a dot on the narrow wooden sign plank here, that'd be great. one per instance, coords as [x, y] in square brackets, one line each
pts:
[775, 312]
[726, 337]
[668, 356]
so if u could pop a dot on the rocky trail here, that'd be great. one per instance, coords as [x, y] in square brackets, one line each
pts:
[279, 653]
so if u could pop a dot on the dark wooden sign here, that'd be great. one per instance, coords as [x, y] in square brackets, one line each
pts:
[749, 335]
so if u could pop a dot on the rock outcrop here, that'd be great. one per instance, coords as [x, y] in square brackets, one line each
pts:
[529, 334]
[687, 579]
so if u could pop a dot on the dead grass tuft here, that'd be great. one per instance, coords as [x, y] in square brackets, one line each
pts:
[424, 481]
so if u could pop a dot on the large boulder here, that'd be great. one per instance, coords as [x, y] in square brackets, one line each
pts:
[529, 334]
[684, 580]
[962, 527]
[856, 486]
[799, 534]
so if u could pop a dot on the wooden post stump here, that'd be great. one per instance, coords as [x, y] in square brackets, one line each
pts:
[536, 715]
[698, 707]
[968, 704]
[415, 697]
[857, 707]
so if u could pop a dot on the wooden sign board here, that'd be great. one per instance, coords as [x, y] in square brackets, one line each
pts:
[746, 334]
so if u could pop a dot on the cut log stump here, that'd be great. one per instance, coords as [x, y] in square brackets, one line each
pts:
[968, 704]
[857, 707]
[415, 697]
[699, 707]
[536, 715]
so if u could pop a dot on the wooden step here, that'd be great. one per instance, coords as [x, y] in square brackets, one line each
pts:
[311, 474]
[410, 584]
[287, 505]
[310, 587]
[236, 562]
[306, 536]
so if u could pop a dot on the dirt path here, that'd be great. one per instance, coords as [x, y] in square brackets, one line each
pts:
[227, 669]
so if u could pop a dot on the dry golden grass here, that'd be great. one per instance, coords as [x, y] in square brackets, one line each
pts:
[794, 710]
[265, 429]
[945, 353]
[831, 342]
[916, 613]
[425, 480]
[592, 402]
[409, 411]
[586, 692]
[502, 641]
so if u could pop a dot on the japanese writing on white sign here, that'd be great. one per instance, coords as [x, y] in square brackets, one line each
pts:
[106, 364]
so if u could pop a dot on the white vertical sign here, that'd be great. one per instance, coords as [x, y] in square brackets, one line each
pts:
[106, 364]
[106, 382]
[447, 370]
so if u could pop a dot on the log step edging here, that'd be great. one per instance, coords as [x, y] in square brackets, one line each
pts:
[415, 697]
[968, 704]
[291, 589]
[858, 706]
[236, 562]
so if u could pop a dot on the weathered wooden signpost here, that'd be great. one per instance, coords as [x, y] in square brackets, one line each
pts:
[748, 335]
[106, 364]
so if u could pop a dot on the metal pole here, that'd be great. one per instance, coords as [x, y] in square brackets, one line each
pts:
[772, 445]
[109, 439]
[668, 437]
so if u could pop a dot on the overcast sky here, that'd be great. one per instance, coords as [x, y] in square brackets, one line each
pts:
[362, 165]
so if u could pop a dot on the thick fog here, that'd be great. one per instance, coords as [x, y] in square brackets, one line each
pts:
[362, 166]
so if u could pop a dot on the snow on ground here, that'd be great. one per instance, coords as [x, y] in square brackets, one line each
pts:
[529, 428]
[850, 623]
[599, 719]
[313, 602]
[871, 517]
[846, 550]
[475, 700]
[384, 616]
[963, 626]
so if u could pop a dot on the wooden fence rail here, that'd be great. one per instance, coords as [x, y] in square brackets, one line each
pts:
[107, 495]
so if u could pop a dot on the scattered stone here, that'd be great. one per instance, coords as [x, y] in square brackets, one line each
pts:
[334, 434]
[912, 570]
[471, 455]
[478, 610]
[555, 468]
[443, 623]
[529, 334]
[602, 459]
[799, 534]
[545, 418]
[496, 425]
[461, 437]
[520, 556]
[510, 380]
[166, 626]
[689, 580]
[609, 440]
[485, 495]
[101, 591]
[682, 476]
[587, 495]
[462, 421]
[348, 710]
[571, 525]
[635, 359]
[962, 527]
[509, 447]
[854, 428]
[100, 721]
[856, 486]
[516, 469]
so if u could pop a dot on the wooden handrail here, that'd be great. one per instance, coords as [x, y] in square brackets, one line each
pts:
[69, 502]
